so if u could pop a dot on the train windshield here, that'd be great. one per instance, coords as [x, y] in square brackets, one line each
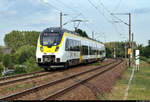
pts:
[49, 39]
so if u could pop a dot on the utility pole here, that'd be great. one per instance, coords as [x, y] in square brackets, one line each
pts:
[114, 52]
[132, 48]
[61, 14]
[130, 39]
[92, 34]
[129, 14]
[125, 50]
[60, 19]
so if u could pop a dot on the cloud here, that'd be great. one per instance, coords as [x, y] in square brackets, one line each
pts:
[12, 12]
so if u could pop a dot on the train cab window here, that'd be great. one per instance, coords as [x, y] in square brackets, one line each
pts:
[50, 38]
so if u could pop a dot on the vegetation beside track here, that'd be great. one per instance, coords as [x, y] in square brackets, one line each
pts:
[21, 57]
[139, 88]
[96, 64]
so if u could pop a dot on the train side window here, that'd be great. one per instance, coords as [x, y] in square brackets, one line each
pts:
[75, 45]
[86, 50]
[79, 44]
[90, 49]
[67, 45]
[101, 52]
[71, 45]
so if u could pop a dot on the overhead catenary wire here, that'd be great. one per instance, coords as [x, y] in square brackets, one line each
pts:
[100, 11]
[104, 15]
[73, 10]
[80, 11]
[115, 17]
[118, 5]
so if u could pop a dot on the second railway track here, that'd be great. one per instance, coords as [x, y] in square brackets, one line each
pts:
[54, 88]
[22, 77]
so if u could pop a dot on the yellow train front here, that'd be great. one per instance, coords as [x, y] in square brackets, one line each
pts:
[62, 48]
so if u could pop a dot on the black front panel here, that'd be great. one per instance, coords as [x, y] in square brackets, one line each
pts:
[49, 58]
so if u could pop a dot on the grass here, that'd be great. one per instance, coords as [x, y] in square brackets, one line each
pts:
[96, 64]
[139, 88]
[13, 88]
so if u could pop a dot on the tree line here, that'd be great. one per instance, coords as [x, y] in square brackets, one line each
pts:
[23, 48]
[144, 52]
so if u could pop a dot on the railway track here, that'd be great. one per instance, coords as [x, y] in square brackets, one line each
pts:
[57, 87]
[21, 77]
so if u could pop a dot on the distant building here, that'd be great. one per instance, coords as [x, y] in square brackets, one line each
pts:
[6, 50]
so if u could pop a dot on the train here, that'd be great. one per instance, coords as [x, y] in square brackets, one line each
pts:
[58, 47]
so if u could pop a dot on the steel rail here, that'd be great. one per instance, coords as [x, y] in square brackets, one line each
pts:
[22, 79]
[19, 75]
[62, 91]
[23, 93]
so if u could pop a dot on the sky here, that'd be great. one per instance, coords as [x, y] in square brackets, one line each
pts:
[28, 15]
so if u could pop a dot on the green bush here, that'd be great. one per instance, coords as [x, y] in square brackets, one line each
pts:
[32, 65]
[1, 55]
[148, 60]
[1, 69]
[143, 58]
[24, 53]
[7, 61]
[19, 70]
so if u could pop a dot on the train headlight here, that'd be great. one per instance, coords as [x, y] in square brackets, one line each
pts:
[41, 48]
[57, 48]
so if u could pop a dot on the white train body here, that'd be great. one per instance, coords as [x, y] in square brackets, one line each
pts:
[58, 47]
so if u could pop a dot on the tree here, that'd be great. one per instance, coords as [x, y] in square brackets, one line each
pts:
[109, 52]
[24, 53]
[17, 39]
[1, 54]
[148, 42]
[19, 70]
[14, 40]
[32, 65]
[7, 61]
[82, 33]
[120, 48]
[31, 37]
[1, 68]
[146, 52]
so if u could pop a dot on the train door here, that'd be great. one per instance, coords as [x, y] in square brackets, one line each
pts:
[67, 50]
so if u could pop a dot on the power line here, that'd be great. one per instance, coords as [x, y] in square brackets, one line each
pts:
[99, 11]
[116, 29]
[73, 10]
[118, 5]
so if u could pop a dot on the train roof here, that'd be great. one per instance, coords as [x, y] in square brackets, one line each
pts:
[58, 29]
